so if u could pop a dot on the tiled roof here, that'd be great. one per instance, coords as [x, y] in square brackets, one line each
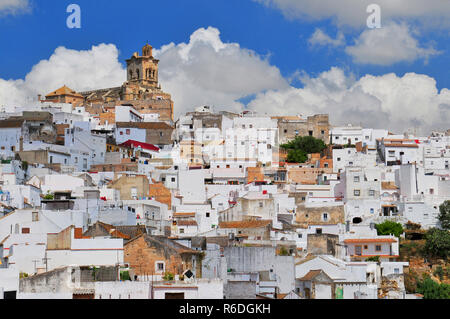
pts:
[187, 223]
[369, 240]
[135, 144]
[63, 91]
[145, 125]
[401, 145]
[388, 185]
[245, 224]
[311, 275]
[183, 214]
[11, 123]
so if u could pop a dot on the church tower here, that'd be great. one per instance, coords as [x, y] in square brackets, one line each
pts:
[143, 70]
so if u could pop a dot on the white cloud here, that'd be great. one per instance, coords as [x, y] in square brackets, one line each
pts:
[207, 71]
[320, 38]
[96, 68]
[388, 45]
[13, 6]
[353, 13]
[388, 101]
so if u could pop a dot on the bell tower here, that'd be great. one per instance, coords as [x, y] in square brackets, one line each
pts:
[143, 69]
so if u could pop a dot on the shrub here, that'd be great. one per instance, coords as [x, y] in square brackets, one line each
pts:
[437, 243]
[169, 276]
[444, 215]
[125, 275]
[389, 227]
[374, 258]
[432, 290]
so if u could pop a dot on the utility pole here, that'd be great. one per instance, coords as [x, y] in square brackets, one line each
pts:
[35, 268]
[45, 260]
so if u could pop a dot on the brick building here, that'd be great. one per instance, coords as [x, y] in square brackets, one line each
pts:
[158, 255]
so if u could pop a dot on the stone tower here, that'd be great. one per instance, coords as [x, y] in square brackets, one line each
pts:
[143, 70]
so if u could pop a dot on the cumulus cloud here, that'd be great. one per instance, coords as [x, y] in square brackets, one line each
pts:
[387, 101]
[13, 6]
[390, 44]
[82, 70]
[353, 13]
[320, 38]
[207, 71]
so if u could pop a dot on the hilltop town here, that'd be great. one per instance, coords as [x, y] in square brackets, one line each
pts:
[106, 194]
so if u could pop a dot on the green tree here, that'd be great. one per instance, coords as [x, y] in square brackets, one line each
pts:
[309, 144]
[374, 258]
[444, 215]
[301, 146]
[169, 276]
[49, 196]
[297, 156]
[437, 243]
[389, 227]
[432, 290]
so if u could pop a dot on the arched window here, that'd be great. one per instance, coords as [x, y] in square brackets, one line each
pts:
[16, 228]
[131, 74]
[137, 74]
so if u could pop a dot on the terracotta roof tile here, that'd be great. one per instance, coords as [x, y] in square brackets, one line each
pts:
[245, 224]
[369, 240]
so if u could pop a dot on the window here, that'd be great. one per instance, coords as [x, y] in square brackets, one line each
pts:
[371, 192]
[261, 204]
[181, 230]
[163, 179]
[366, 247]
[35, 216]
[371, 210]
[396, 271]
[338, 159]
[356, 179]
[318, 230]
[160, 266]
[207, 215]
[377, 247]
[300, 236]
[356, 192]
[173, 179]
[128, 131]
[325, 217]
[133, 192]
[285, 131]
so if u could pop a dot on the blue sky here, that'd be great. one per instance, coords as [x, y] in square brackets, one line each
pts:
[279, 31]
[33, 36]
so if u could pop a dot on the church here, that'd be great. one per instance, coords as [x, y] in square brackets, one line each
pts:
[141, 90]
